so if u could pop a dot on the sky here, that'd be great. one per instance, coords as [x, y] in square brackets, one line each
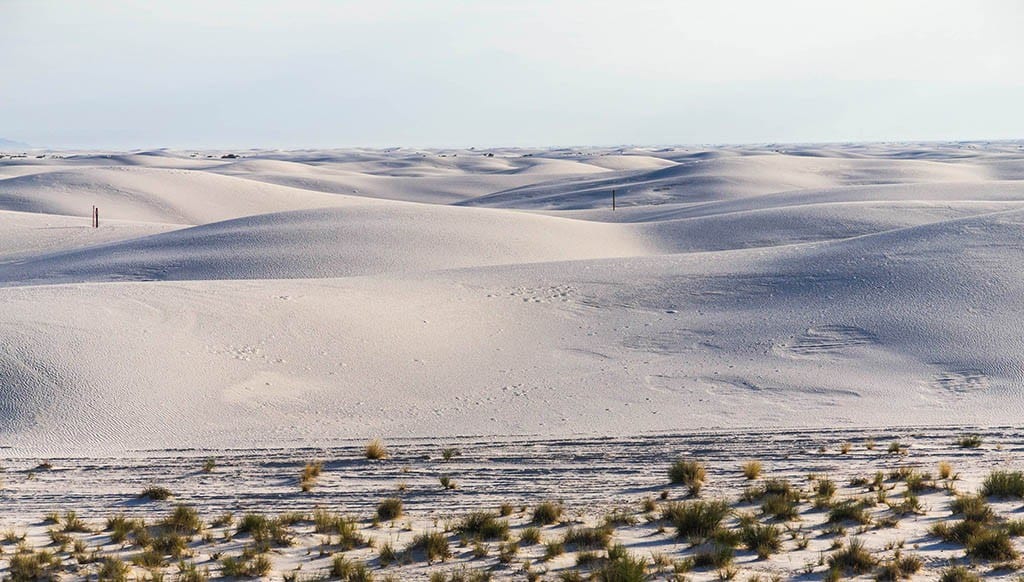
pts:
[448, 73]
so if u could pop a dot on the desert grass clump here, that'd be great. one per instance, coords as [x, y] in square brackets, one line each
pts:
[553, 549]
[483, 525]
[991, 544]
[1003, 484]
[696, 519]
[849, 510]
[973, 508]
[945, 469]
[958, 574]
[309, 474]
[113, 569]
[449, 453]
[184, 520]
[689, 473]
[845, 448]
[588, 537]
[623, 567]
[156, 493]
[32, 565]
[348, 570]
[899, 567]
[387, 554]
[547, 513]
[969, 441]
[852, 557]
[389, 509]
[529, 536]
[751, 470]
[375, 450]
[190, 572]
[765, 540]
[71, 523]
[717, 556]
[780, 506]
[433, 545]
[209, 465]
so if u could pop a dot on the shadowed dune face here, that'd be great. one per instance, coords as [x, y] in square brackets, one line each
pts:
[299, 297]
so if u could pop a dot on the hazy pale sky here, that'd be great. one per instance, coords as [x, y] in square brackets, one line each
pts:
[248, 73]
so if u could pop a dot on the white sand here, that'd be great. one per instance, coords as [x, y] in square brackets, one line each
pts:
[295, 298]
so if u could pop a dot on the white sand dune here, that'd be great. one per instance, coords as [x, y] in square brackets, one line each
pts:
[860, 285]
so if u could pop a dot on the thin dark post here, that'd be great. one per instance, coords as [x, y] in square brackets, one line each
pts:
[613, 199]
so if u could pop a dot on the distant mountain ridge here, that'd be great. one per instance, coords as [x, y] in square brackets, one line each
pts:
[10, 143]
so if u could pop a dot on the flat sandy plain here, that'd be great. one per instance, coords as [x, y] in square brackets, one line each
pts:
[274, 308]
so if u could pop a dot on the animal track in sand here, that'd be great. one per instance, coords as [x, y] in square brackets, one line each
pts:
[960, 381]
[829, 339]
[558, 293]
[673, 341]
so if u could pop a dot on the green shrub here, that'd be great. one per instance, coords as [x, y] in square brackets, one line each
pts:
[623, 568]
[958, 574]
[765, 540]
[434, 545]
[483, 525]
[1003, 484]
[991, 544]
[689, 473]
[696, 519]
[547, 513]
[853, 557]
[389, 509]
[587, 537]
[849, 510]
[969, 441]
[156, 493]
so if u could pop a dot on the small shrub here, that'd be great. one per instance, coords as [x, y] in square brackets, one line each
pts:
[156, 493]
[969, 441]
[689, 473]
[309, 475]
[389, 509]
[899, 567]
[184, 519]
[375, 450]
[587, 537]
[529, 536]
[696, 519]
[826, 488]
[765, 540]
[547, 512]
[751, 470]
[849, 510]
[1003, 484]
[449, 453]
[973, 508]
[945, 470]
[717, 556]
[623, 568]
[209, 465]
[483, 525]
[553, 549]
[991, 544]
[434, 545]
[447, 482]
[958, 574]
[387, 554]
[780, 507]
[853, 557]
[845, 448]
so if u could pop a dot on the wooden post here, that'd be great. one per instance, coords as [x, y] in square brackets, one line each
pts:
[613, 199]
